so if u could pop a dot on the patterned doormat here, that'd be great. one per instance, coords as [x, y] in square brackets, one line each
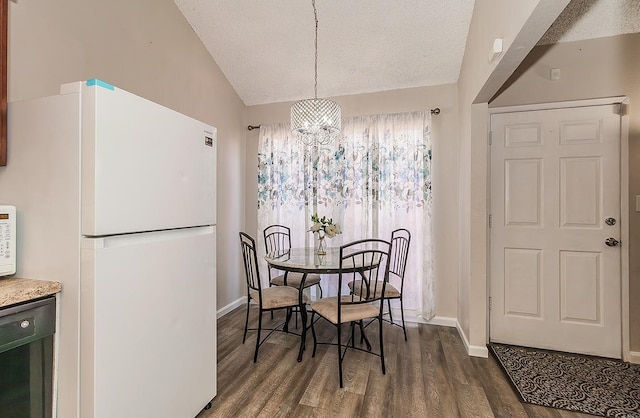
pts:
[592, 385]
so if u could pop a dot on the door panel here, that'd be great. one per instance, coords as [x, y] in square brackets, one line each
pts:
[580, 283]
[554, 180]
[522, 187]
[522, 281]
[580, 185]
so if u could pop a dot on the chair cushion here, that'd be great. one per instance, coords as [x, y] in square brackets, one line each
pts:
[328, 309]
[389, 292]
[294, 280]
[278, 297]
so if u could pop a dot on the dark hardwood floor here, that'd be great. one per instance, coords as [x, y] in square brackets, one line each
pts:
[430, 375]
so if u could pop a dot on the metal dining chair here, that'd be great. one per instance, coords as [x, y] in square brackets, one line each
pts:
[400, 240]
[369, 261]
[277, 239]
[268, 299]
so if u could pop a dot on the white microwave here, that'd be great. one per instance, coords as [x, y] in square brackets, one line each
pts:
[7, 240]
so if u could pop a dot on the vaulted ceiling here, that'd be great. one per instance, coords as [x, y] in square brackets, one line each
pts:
[266, 48]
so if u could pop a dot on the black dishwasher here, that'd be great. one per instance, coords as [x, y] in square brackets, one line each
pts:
[26, 359]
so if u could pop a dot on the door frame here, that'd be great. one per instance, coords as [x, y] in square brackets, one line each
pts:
[624, 202]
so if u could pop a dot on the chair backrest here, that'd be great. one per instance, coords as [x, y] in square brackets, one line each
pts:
[250, 259]
[366, 260]
[277, 239]
[400, 240]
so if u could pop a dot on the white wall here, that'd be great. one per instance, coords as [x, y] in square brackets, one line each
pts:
[148, 48]
[520, 25]
[444, 168]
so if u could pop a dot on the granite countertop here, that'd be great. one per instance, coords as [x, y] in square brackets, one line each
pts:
[15, 290]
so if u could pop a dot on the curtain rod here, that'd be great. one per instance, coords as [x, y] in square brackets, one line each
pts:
[434, 111]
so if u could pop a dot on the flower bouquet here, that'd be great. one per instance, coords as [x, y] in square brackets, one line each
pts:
[324, 227]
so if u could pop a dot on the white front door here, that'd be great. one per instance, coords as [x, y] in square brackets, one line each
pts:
[555, 200]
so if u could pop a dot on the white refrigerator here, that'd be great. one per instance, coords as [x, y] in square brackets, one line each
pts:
[116, 199]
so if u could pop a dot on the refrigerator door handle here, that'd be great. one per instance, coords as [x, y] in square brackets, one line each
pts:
[143, 237]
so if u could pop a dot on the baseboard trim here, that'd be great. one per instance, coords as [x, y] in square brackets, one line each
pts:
[410, 315]
[226, 309]
[634, 357]
[444, 321]
[415, 316]
[472, 350]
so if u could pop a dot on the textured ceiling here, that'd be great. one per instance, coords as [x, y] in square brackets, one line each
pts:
[265, 48]
[589, 19]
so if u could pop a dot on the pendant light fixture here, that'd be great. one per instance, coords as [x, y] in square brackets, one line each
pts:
[316, 121]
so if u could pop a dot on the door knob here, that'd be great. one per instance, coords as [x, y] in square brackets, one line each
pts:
[612, 242]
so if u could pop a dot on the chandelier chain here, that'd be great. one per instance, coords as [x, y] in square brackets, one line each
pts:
[315, 121]
[315, 14]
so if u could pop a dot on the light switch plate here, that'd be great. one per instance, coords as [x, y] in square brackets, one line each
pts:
[637, 203]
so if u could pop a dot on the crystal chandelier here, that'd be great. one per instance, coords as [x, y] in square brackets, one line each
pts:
[315, 121]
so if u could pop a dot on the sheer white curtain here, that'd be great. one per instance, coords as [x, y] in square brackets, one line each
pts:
[285, 191]
[374, 178]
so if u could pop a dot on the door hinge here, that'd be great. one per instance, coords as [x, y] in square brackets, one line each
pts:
[490, 221]
[490, 137]
[490, 303]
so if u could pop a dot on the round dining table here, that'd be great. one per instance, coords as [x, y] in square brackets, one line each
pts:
[306, 261]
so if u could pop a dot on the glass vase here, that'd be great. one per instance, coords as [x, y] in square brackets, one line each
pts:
[320, 246]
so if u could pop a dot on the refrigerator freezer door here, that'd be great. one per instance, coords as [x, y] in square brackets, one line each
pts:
[144, 167]
[148, 324]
